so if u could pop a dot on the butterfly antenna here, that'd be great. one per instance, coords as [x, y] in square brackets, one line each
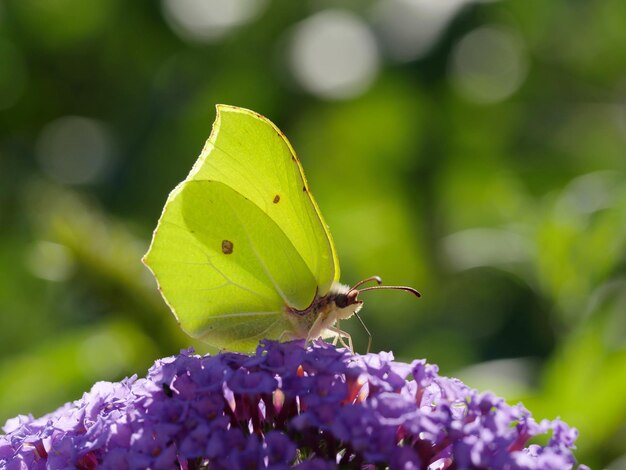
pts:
[410, 290]
[376, 279]
[379, 281]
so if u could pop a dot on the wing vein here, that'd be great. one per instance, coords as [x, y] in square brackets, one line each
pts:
[259, 259]
[209, 263]
[243, 314]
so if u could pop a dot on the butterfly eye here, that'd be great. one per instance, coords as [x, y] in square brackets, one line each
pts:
[341, 301]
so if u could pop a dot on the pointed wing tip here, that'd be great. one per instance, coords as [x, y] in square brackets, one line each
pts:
[229, 108]
[221, 107]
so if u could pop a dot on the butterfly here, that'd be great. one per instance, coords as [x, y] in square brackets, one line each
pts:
[241, 251]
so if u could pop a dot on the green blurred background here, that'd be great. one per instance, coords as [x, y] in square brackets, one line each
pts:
[473, 149]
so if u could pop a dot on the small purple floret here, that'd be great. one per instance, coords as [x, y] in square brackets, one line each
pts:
[287, 406]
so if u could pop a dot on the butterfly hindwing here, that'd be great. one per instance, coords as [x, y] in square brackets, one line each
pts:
[226, 269]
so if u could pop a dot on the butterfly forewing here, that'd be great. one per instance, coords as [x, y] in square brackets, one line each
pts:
[249, 154]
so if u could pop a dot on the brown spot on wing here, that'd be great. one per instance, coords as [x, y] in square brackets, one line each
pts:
[227, 247]
[276, 199]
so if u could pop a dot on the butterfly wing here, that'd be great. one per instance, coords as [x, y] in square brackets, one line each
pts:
[251, 155]
[225, 268]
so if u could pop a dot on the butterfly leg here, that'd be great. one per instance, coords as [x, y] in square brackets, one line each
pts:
[341, 335]
[337, 336]
[316, 330]
[286, 336]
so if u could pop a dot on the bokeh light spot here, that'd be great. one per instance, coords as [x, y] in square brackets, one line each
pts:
[209, 20]
[103, 355]
[410, 28]
[511, 377]
[334, 55]
[50, 261]
[74, 150]
[476, 247]
[488, 65]
[590, 193]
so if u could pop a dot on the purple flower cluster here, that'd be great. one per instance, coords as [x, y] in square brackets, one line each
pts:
[287, 405]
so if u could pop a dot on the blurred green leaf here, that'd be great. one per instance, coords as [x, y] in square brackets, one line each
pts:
[108, 351]
[48, 22]
[108, 259]
[579, 241]
[585, 382]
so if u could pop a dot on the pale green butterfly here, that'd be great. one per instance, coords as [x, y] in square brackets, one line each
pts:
[241, 251]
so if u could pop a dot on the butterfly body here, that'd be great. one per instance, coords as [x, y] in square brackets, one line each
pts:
[320, 318]
[241, 251]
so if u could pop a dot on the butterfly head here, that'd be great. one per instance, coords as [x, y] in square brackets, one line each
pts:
[346, 301]
[346, 298]
[341, 303]
[349, 298]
